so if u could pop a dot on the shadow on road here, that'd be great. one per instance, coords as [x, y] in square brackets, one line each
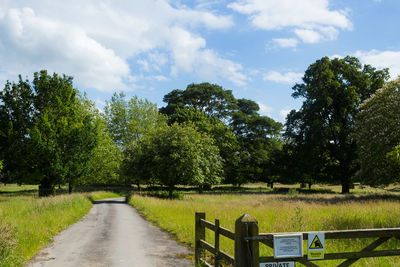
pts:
[110, 201]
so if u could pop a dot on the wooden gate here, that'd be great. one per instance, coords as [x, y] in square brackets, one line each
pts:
[247, 240]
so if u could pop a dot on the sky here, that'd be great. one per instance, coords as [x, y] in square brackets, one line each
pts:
[259, 49]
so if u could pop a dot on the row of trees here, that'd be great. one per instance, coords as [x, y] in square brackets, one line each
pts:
[203, 136]
[50, 134]
[346, 130]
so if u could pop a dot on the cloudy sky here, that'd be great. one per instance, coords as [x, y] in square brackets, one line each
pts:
[257, 48]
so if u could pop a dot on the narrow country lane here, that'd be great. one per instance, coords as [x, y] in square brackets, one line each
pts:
[112, 234]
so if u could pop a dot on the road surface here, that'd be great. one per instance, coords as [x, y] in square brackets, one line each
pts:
[112, 234]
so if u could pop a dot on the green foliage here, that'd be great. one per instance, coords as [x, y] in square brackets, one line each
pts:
[258, 137]
[322, 129]
[223, 136]
[173, 155]
[377, 133]
[247, 146]
[105, 159]
[48, 132]
[395, 154]
[129, 121]
[211, 99]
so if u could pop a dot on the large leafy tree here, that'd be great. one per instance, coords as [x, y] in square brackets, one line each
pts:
[129, 120]
[47, 131]
[105, 160]
[223, 136]
[16, 118]
[332, 90]
[258, 137]
[176, 154]
[377, 133]
[211, 99]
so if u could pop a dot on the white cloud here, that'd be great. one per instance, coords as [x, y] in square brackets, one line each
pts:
[265, 110]
[283, 113]
[382, 59]
[32, 42]
[284, 42]
[191, 56]
[308, 36]
[95, 41]
[310, 20]
[288, 77]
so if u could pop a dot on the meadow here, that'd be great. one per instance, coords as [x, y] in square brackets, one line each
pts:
[279, 213]
[27, 223]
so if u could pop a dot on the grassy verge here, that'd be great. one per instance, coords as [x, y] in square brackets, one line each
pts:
[280, 213]
[28, 223]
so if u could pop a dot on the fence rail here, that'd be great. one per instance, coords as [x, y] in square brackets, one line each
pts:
[247, 241]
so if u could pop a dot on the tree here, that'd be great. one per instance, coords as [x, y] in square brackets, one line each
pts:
[48, 131]
[16, 113]
[129, 121]
[211, 99]
[333, 90]
[377, 133]
[105, 159]
[258, 138]
[176, 154]
[223, 136]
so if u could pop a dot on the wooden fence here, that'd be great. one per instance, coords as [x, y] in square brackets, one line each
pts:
[247, 241]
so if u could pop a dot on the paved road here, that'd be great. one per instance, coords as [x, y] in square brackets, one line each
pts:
[112, 234]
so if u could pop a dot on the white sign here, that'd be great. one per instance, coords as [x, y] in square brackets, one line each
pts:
[288, 246]
[316, 246]
[278, 264]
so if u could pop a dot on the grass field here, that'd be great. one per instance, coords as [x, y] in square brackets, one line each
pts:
[28, 223]
[278, 213]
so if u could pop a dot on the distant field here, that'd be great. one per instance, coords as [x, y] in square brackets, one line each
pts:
[282, 213]
[27, 223]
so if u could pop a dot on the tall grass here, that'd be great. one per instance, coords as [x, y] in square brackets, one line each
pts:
[280, 213]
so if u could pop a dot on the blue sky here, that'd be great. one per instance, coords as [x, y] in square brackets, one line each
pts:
[257, 48]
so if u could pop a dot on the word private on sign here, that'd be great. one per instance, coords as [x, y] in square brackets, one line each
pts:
[278, 264]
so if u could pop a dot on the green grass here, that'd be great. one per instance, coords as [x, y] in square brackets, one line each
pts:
[281, 213]
[28, 223]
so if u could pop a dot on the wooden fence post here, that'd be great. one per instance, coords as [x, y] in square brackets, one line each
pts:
[200, 233]
[246, 252]
[216, 244]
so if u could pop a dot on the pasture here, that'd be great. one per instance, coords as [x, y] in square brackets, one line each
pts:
[276, 213]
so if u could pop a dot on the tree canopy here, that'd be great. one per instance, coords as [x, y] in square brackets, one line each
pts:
[332, 90]
[176, 154]
[211, 99]
[48, 131]
[377, 133]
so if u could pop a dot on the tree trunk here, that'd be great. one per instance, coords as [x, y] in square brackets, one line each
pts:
[46, 188]
[138, 186]
[170, 190]
[345, 176]
[303, 185]
[345, 188]
[309, 185]
[70, 186]
[271, 185]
